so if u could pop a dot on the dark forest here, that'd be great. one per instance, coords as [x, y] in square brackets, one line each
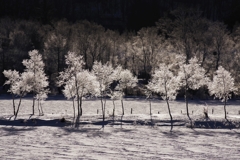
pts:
[138, 35]
[116, 14]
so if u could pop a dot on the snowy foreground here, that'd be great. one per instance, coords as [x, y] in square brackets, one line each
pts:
[46, 137]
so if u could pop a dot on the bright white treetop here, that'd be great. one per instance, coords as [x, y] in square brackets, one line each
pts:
[105, 75]
[75, 79]
[13, 77]
[192, 75]
[84, 83]
[222, 84]
[35, 62]
[75, 65]
[126, 79]
[35, 70]
[164, 82]
[20, 84]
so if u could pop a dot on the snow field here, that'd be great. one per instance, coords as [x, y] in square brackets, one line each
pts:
[114, 142]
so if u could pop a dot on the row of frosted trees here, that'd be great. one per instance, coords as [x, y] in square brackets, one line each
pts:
[105, 81]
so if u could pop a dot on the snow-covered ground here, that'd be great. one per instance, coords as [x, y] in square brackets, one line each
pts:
[50, 139]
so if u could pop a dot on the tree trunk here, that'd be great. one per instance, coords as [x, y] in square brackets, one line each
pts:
[186, 100]
[225, 112]
[74, 112]
[169, 111]
[103, 112]
[150, 107]
[122, 111]
[122, 107]
[33, 111]
[19, 103]
[39, 107]
[73, 109]
[150, 104]
[113, 110]
[14, 108]
[79, 112]
[80, 106]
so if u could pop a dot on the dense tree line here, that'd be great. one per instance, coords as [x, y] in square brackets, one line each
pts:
[181, 32]
[116, 14]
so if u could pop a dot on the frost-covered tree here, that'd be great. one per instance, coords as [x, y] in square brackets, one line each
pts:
[13, 77]
[192, 76]
[114, 95]
[77, 81]
[20, 85]
[165, 83]
[222, 86]
[105, 76]
[126, 80]
[39, 81]
[83, 84]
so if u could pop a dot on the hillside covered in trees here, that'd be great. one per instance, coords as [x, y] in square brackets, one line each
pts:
[208, 33]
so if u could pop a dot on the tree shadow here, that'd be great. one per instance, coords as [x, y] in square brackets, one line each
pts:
[173, 134]
[213, 124]
[91, 131]
[34, 122]
[15, 131]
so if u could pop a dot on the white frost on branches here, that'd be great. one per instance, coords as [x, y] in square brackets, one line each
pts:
[192, 74]
[105, 76]
[222, 84]
[77, 82]
[164, 82]
[20, 84]
[84, 83]
[35, 70]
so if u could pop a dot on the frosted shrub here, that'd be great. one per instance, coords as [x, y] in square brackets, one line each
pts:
[105, 75]
[20, 85]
